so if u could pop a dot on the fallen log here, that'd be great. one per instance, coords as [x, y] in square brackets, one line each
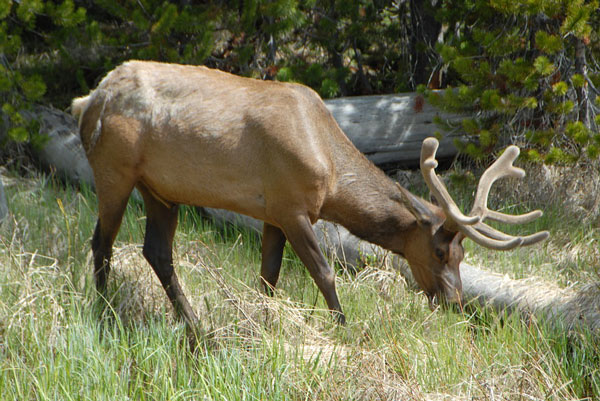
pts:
[568, 308]
[62, 153]
[391, 128]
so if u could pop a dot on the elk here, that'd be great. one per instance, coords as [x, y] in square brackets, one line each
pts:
[271, 150]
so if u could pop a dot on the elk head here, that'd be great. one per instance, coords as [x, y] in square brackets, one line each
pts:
[435, 251]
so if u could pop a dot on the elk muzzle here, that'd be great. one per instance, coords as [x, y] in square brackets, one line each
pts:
[451, 286]
[449, 291]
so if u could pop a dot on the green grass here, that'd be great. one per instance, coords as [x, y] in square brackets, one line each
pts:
[54, 344]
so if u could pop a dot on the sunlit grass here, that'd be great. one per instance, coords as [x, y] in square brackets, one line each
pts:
[54, 345]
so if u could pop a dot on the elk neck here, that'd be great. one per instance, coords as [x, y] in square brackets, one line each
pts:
[368, 203]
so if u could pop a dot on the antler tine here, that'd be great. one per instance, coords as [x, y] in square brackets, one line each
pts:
[513, 218]
[506, 242]
[473, 227]
[491, 232]
[437, 188]
[502, 167]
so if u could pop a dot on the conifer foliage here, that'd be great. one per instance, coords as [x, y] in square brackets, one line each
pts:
[525, 72]
[51, 50]
[520, 70]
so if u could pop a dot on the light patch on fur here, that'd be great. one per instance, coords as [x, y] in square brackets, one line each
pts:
[95, 135]
[78, 106]
[149, 101]
[349, 178]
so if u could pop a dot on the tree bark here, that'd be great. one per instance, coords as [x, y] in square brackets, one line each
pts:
[582, 92]
[422, 39]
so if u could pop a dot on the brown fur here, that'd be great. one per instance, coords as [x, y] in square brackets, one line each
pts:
[270, 150]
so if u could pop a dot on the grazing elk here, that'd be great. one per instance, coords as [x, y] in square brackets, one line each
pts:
[270, 150]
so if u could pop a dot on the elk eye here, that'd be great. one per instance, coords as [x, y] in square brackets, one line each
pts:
[440, 254]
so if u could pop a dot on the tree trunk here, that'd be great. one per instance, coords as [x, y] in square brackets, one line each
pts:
[424, 32]
[582, 92]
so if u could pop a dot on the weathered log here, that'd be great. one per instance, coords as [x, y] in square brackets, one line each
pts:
[62, 153]
[391, 128]
[566, 307]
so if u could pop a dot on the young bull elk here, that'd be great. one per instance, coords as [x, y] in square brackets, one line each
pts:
[270, 150]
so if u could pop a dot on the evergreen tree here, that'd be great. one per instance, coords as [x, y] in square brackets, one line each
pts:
[28, 30]
[521, 74]
[350, 47]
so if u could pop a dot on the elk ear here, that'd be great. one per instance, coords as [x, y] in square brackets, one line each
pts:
[458, 238]
[417, 208]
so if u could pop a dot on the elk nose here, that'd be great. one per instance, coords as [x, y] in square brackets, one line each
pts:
[452, 287]
[453, 296]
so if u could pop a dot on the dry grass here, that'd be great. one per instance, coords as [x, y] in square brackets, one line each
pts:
[247, 320]
[241, 316]
[575, 188]
[392, 348]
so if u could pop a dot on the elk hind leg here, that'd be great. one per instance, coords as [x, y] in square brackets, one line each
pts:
[161, 223]
[112, 202]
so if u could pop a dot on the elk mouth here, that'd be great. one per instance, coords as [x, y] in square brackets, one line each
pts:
[441, 301]
[448, 294]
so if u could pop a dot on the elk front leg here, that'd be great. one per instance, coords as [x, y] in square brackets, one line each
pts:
[304, 241]
[273, 241]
